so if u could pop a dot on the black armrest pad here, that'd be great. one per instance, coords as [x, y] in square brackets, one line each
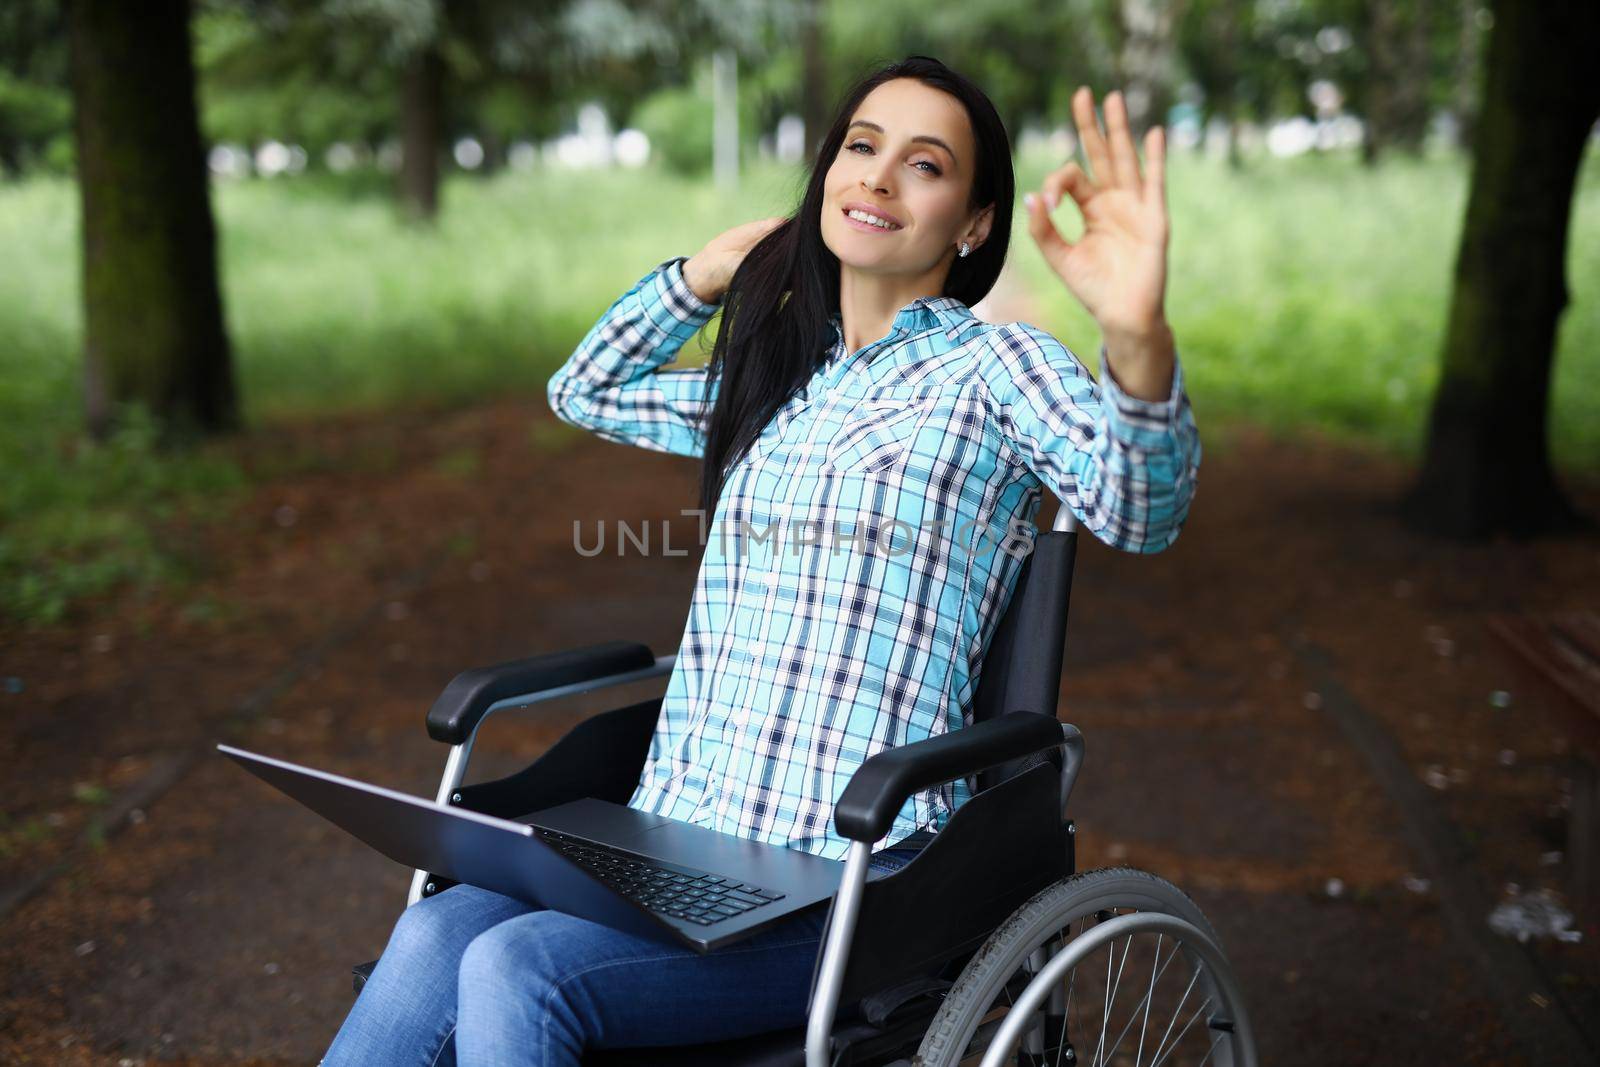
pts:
[459, 709]
[881, 785]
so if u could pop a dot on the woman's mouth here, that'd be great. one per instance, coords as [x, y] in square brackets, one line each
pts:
[862, 220]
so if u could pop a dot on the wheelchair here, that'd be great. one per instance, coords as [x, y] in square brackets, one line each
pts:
[988, 947]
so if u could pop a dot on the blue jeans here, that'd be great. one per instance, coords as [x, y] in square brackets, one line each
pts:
[474, 977]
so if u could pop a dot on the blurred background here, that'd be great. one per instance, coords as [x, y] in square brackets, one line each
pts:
[282, 285]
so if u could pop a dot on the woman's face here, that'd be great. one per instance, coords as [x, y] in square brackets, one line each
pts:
[908, 157]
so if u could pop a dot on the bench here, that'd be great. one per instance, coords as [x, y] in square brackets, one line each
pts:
[1560, 652]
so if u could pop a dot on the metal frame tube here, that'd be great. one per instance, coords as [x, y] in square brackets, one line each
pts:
[1071, 762]
[835, 953]
[455, 764]
[455, 772]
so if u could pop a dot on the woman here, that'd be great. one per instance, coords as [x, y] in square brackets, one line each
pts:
[870, 451]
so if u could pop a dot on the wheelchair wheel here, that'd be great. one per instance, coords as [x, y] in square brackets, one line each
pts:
[1107, 967]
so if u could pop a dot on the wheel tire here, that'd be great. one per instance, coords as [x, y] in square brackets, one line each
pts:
[1050, 911]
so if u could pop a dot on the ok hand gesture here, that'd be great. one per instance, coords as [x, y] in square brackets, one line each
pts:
[1118, 268]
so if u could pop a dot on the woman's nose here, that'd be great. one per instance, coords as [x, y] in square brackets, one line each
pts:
[874, 178]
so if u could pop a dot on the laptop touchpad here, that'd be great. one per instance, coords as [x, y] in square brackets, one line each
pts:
[597, 820]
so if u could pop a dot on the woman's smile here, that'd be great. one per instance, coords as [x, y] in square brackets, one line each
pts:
[871, 227]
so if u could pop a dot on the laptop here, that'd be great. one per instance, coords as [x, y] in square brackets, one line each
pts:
[630, 870]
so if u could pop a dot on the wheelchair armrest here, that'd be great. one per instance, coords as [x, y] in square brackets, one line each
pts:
[880, 787]
[470, 694]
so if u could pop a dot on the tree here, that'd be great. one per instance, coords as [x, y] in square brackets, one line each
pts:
[421, 131]
[1213, 37]
[1466, 72]
[1146, 55]
[814, 101]
[154, 332]
[1487, 466]
[1397, 91]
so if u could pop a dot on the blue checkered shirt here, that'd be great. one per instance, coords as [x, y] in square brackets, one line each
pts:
[865, 547]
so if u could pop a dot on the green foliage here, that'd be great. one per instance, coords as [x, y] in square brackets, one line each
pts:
[18, 836]
[678, 122]
[1024, 54]
[78, 519]
[91, 793]
[36, 117]
[35, 108]
[266, 75]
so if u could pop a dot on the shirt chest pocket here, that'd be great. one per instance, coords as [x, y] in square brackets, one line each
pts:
[878, 433]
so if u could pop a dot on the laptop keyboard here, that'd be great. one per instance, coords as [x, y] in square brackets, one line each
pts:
[681, 892]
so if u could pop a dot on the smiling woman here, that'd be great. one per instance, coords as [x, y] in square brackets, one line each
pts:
[917, 152]
[906, 141]
[852, 391]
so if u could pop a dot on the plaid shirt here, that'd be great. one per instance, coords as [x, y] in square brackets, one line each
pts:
[865, 547]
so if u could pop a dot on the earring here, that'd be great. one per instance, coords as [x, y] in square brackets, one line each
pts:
[964, 248]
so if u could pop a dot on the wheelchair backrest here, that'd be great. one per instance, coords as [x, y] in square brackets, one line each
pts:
[1022, 667]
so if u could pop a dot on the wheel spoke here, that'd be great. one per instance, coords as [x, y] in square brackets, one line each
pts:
[1185, 1030]
[1066, 1016]
[1072, 982]
[1149, 998]
[1111, 999]
[1176, 1012]
[1105, 1011]
[1144, 1002]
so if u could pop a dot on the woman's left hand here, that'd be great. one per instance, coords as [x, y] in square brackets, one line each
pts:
[1118, 268]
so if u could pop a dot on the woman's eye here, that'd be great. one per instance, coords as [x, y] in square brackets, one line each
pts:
[933, 167]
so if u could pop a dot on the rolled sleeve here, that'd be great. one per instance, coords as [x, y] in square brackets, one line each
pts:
[616, 383]
[1141, 422]
[1126, 467]
[673, 308]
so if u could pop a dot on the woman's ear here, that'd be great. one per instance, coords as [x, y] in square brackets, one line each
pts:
[978, 233]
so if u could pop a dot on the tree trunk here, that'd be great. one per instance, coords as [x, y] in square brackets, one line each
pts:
[154, 331]
[1467, 76]
[10, 156]
[421, 120]
[1412, 79]
[1146, 59]
[494, 153]
[1383, 50]
[1397, 102]
[814, 102]
[1226, 28]
[1487, 467]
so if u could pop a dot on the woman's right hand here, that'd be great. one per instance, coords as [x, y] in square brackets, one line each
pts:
[710, 270]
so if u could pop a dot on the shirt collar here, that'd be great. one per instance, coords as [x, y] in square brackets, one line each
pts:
[923, 313]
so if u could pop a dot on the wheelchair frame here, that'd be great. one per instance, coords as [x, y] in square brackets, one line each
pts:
[1005, 748]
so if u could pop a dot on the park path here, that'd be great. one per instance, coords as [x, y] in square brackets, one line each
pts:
[1213, 682]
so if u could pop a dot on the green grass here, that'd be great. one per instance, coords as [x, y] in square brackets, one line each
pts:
[1305, 294]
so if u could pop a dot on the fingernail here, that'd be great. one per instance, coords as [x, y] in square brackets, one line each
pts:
[1027, 201]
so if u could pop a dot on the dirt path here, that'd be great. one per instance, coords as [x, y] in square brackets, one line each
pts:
[219, 926]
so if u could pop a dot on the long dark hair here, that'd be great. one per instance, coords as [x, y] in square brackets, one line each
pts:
[767, 346]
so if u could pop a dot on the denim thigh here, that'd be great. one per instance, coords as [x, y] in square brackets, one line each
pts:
[542, 987]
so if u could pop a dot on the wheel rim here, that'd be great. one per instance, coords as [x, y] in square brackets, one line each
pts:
[1145, 996]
